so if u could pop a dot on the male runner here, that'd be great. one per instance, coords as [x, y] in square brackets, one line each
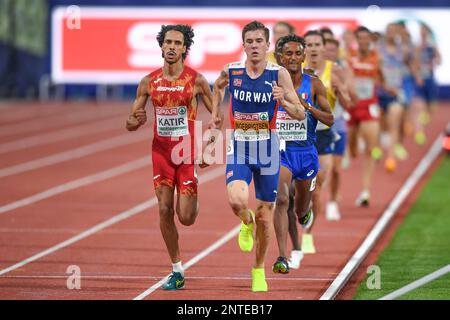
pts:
[173, 90]
[332, 77]
[365, 115]
[256, 87]
[299, 158]
[280, 29]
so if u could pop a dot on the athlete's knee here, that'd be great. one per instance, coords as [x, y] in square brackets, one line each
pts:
[187, 219]
[282, 201]
[237, 203]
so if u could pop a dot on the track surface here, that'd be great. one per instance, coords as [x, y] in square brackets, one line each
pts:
[46, 146]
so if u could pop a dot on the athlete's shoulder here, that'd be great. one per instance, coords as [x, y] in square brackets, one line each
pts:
[155, 74]
[190, 70]
[273, 66]
[236, 65]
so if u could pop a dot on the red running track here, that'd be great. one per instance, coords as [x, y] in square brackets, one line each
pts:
[124, 258]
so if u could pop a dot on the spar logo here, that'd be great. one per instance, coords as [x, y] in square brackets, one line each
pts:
[262, 116]
[171, 111]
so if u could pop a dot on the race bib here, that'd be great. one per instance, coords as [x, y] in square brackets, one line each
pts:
[364, 88]
[393, 76]
[290, 129]
[172, 121]
[251, 126]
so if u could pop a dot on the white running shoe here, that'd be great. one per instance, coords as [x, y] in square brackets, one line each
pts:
[363, 199]
[332, 212]
[295, 259]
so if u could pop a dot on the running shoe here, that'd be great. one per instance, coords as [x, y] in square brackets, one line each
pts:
[376, 153]
[363, 199]
[400, 152]
[307, 220]
[281, 266]
[245, 238]
[420, 138]
[174, 282]
[295, 259]
[390, 165]
[332, 213]
[308, 244]
[259, 283]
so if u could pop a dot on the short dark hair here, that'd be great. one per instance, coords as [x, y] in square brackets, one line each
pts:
[255, 25]
[324, 30]
[186, 30]
[332, 41]
[315, 33]
[362, 29]
[290, 27]
[290, 38]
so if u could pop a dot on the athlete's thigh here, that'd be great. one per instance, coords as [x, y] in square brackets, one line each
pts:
[163, 170]
[284, 183]
[369, 132]
[303, 190]
[165, 196]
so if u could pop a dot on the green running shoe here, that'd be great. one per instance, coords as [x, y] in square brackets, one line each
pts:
[281, 266]
[420, 138]
[308, 244]
[376, 153]
[174, 282]
[259, 283]
[245, 239]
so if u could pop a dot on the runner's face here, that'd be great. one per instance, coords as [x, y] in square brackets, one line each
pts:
[331, 52]
[364, 40]
[173, 46]
[292, 56]
[280, 31]
[314, 48]
[255, 45]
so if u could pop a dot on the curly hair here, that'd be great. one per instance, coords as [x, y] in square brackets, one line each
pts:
[290, 38]
[186, 30]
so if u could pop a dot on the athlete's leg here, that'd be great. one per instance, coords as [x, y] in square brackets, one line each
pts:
[335, 177]
[353, 140]
[394, 118]
[303, 194]
[187, 200]
[238, 200]
[326, 163]
[280, 218]
[165, 195]
[264, 222]
[292, 217]
[370, 131]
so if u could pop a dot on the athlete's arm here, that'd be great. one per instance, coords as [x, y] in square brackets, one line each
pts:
[218, 94]
[350, 81]
[323, 114]
[286, 95]
[204, 91]
[138, 116]
[339, 85]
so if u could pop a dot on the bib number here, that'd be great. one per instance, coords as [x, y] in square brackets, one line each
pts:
[172, 122]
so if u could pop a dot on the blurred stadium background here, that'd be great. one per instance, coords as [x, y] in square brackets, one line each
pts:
[107, 46]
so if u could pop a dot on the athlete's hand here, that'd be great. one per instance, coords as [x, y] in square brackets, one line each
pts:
[141, 116]
[216, 121]
[277, 92]
[132, 123]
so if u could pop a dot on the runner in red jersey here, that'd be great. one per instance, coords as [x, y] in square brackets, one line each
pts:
[364, 116]
[173, 90]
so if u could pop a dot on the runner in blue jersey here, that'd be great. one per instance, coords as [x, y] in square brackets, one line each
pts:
[256, 87]
[299, 158]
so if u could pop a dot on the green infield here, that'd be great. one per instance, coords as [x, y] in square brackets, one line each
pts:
[420, 246]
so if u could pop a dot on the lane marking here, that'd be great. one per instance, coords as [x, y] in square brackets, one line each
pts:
[210, 175]
[81, 182]
[228, 236]
[150, 277]
[59, 135]
[381, 224]
[103, 145]
[416, 284]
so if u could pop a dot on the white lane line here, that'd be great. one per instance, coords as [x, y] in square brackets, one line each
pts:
[145, 277]
[74, 184]
[379, 227]
[210, 175]
[117, 141]
[58, 120]
[416, 284]
[228, 236]
[60, 135]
